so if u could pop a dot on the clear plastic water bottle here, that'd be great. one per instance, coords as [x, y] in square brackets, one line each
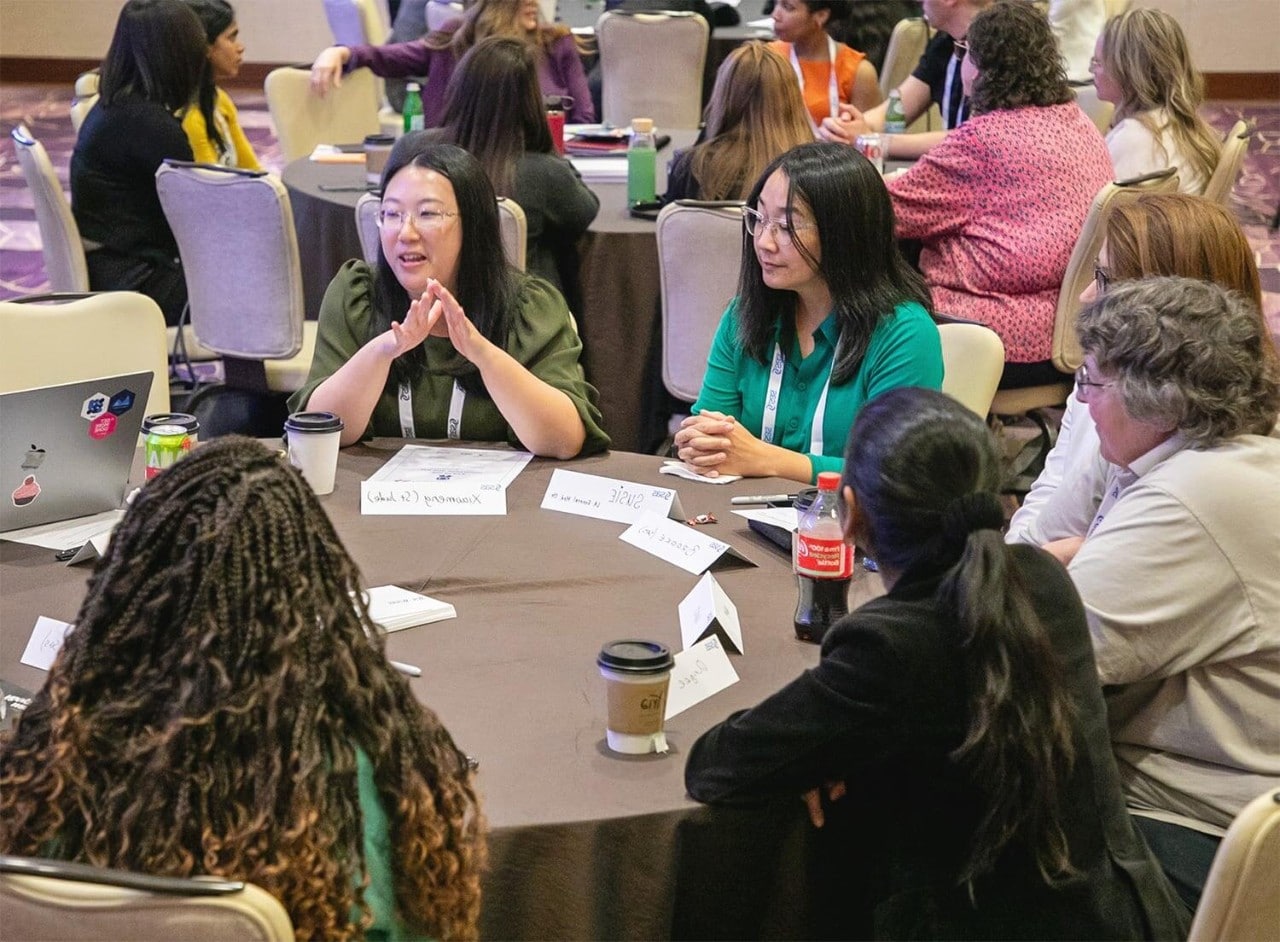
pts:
[823, 563]
[413, 120]
[895, 119]
[642, 163]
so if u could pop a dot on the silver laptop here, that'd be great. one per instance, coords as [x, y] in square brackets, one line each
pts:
[66, 451]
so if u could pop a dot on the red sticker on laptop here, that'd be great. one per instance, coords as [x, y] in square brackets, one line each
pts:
[26, 492]
[103, 426]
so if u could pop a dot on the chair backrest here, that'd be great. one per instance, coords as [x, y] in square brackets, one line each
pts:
[48, 899]
[1100, 112]
[1241, 899]
[699, 254]
[302, 119]
[240, 253]
[1224, 176]
[1115, 7]
[1066, 354]
[59, 235]
[513, 228]
[442, 12]
[972, 361]
[356, 22]
[51, 340]
[906, 45]
[638, 48]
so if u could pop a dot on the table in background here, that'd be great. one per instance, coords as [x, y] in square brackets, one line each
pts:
[619, 278]
[584, 843]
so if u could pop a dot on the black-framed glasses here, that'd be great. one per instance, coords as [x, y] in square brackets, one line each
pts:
[1101, 278]
[758, 224]
[424, 220]
[1085, 385]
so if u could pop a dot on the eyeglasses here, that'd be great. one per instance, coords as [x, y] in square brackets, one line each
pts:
[758, 224]
[1101, 278]
[960, 48]
[1085, 385]
[1094, 63]
[424, 220]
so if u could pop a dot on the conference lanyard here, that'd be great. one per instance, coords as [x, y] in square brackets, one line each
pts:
[953, 70]
[833, 87]
[454, 428]
[775, 391]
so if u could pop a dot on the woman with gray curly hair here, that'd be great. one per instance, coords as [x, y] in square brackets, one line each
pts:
[1178, 571]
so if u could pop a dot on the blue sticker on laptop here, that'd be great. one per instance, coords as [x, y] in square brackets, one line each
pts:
[94, 406]
[122, 402]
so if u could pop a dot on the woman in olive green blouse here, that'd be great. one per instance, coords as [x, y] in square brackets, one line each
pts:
[443, 339]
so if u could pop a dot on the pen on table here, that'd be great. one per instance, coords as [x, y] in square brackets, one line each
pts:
[765, 499]
[407, 669]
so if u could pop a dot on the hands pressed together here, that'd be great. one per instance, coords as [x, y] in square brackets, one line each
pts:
[712, 443]
[422, 317]
[844, 127]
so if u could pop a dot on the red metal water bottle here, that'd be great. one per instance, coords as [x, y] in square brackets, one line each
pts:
[555, 105]
[823, 563]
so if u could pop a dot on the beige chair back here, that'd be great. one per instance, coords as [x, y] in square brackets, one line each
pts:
[1224, 176]
[1115, 7]
[49, 341]
[1066, 353]
[55, 900]
[512, 225]
[651, 65]
[1100, 112]
[303, 119]
[906, 45]
[1241, 899]
[59, 235]
[240, 252]
[972, 361]
[699, 254]
[84, 97]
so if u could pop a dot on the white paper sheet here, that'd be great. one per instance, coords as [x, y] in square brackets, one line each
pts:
[699, 672]
[679, 470]
[601, 169]
[45, 643]
[395, 608]
[432, 463]
[66, 534]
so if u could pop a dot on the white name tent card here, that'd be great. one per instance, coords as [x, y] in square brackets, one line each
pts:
[45, 643]
[708, 612]
[690, 549]
[699, 672]
[395, 608]
[787, 518]
[590, 495]
[448, 498]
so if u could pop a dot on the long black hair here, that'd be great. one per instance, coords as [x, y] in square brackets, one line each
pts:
[925, 472]
[157, 53]
[487, 284]
[864, 271]
[215, 16]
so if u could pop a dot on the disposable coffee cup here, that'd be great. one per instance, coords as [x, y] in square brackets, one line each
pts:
[377, 148]
[636, 676]
[313, 439]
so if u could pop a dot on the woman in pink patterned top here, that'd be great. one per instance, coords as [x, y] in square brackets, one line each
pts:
[999, 204]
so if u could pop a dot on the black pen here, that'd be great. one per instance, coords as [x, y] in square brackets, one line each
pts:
[765, 499]
[70, 553]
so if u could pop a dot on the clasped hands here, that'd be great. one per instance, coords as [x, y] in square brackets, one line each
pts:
[844, 126]
[712, 443]
[421, 319]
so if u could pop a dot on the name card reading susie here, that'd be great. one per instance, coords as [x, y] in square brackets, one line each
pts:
[699, 672]
[452, 498]
[590, 495]
[690, 549]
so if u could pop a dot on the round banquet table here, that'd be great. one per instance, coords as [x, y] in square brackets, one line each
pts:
[618, 275]
[584, 843]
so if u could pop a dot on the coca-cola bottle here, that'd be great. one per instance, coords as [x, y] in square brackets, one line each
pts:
[823, 563]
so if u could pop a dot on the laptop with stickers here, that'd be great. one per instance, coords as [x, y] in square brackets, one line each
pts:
[66, 451]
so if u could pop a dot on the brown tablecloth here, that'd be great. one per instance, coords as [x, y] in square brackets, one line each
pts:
[619, 278]
[584, 844]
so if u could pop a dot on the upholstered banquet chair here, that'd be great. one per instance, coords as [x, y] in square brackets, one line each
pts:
[240, 252]
[439, 13]
[303, 119]
[906, 45]
[365, 22]
[64, 338]
[71, 902]
[514, 229]
[699, 254]
[972, 361]
[84, 97]
[651, 65]
[1240, 902]
[1224, 176]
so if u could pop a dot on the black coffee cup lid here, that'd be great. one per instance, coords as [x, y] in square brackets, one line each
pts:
[313, 422]
[636, 656]
[183, 420]
[379, 139]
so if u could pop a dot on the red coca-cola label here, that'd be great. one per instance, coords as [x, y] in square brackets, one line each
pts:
[823, 558]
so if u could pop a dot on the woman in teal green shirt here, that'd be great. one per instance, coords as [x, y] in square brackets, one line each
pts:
[828, 316]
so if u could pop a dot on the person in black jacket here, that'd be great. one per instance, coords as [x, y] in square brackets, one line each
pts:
[151, 73]
[952, 739]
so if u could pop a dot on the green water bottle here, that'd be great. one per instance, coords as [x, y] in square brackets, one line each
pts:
[412, 107]
[895, 119]
[642, 163]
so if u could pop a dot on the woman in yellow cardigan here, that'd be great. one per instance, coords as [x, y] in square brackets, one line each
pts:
[211, 123]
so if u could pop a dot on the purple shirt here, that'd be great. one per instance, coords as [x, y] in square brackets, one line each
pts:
[560, 72]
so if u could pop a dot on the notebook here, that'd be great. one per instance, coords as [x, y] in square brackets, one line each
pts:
[66, 451]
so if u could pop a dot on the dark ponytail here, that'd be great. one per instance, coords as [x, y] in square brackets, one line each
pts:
[215, 16]
[924, 471]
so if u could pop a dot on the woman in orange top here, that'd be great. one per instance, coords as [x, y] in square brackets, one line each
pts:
[830, 73]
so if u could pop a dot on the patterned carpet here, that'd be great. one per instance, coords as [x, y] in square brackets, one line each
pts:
[45, 110]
